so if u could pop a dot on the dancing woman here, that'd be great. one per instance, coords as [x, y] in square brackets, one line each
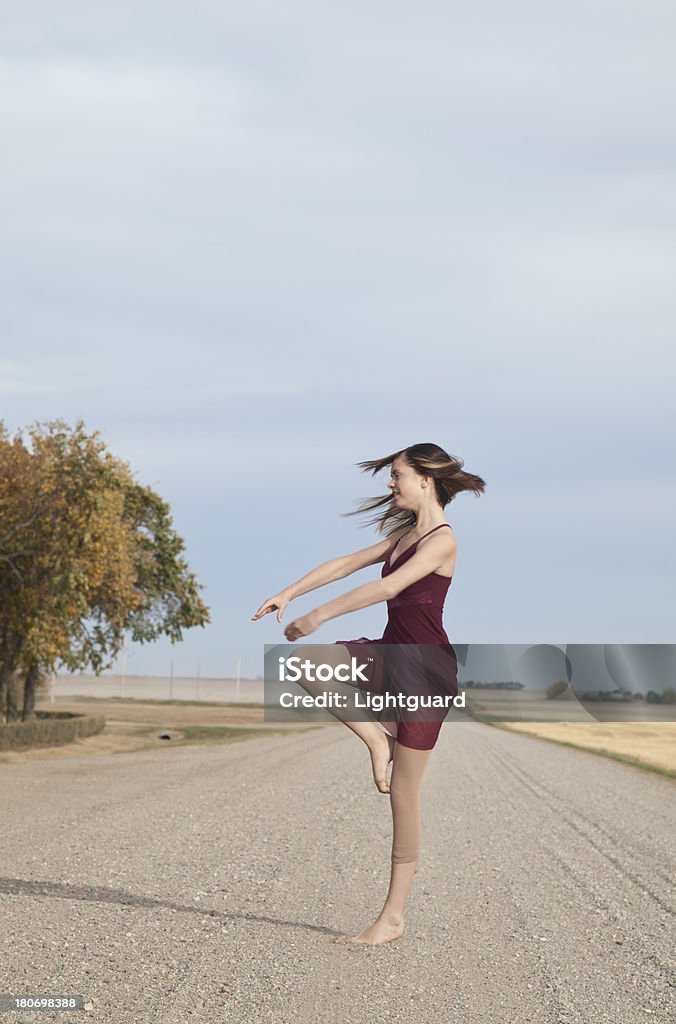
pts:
[419, 561]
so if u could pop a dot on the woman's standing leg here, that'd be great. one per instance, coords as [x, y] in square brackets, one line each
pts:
[407, 774]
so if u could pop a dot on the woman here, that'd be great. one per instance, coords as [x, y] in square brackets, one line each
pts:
[419, 561]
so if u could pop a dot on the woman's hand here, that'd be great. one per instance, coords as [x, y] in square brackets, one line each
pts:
[278, 602]
[303, 626]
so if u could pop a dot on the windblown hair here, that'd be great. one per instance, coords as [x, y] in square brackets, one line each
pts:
[427, 460]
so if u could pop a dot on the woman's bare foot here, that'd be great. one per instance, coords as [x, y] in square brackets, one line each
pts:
[379, 932]
[382, 752]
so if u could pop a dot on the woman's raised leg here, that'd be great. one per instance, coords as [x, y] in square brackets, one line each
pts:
[379, 742]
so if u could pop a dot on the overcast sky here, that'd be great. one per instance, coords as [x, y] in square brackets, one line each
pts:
[254, 244]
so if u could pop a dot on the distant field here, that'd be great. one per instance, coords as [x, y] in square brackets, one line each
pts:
[156, 688]
[534, 706]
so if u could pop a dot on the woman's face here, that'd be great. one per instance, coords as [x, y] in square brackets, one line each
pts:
[404, 483]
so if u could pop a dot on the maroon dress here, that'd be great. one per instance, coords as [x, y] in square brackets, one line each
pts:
[425, 665]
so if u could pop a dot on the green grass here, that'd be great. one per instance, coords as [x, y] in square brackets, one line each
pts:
[211, 735]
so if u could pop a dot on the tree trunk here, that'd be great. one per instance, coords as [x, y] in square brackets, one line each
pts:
[6, 675]
[32, 679]
[13, 699]
[9, 653]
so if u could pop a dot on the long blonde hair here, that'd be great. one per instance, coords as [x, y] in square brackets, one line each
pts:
[427, 460]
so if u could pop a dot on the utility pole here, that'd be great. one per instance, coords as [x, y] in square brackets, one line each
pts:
[239, 662]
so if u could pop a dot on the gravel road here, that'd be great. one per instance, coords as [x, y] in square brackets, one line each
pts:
[209, 884]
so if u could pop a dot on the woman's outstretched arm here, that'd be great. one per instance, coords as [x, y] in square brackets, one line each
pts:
[360, 597]
[327, 572]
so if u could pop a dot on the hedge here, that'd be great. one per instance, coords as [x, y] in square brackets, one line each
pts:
[49, 729]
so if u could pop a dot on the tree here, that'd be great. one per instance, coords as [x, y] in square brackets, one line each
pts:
[87, 556]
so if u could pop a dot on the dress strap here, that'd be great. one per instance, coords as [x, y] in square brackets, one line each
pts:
[413, 545]
[432, 531]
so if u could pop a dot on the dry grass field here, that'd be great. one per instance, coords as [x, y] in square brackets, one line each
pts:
[650, 744]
